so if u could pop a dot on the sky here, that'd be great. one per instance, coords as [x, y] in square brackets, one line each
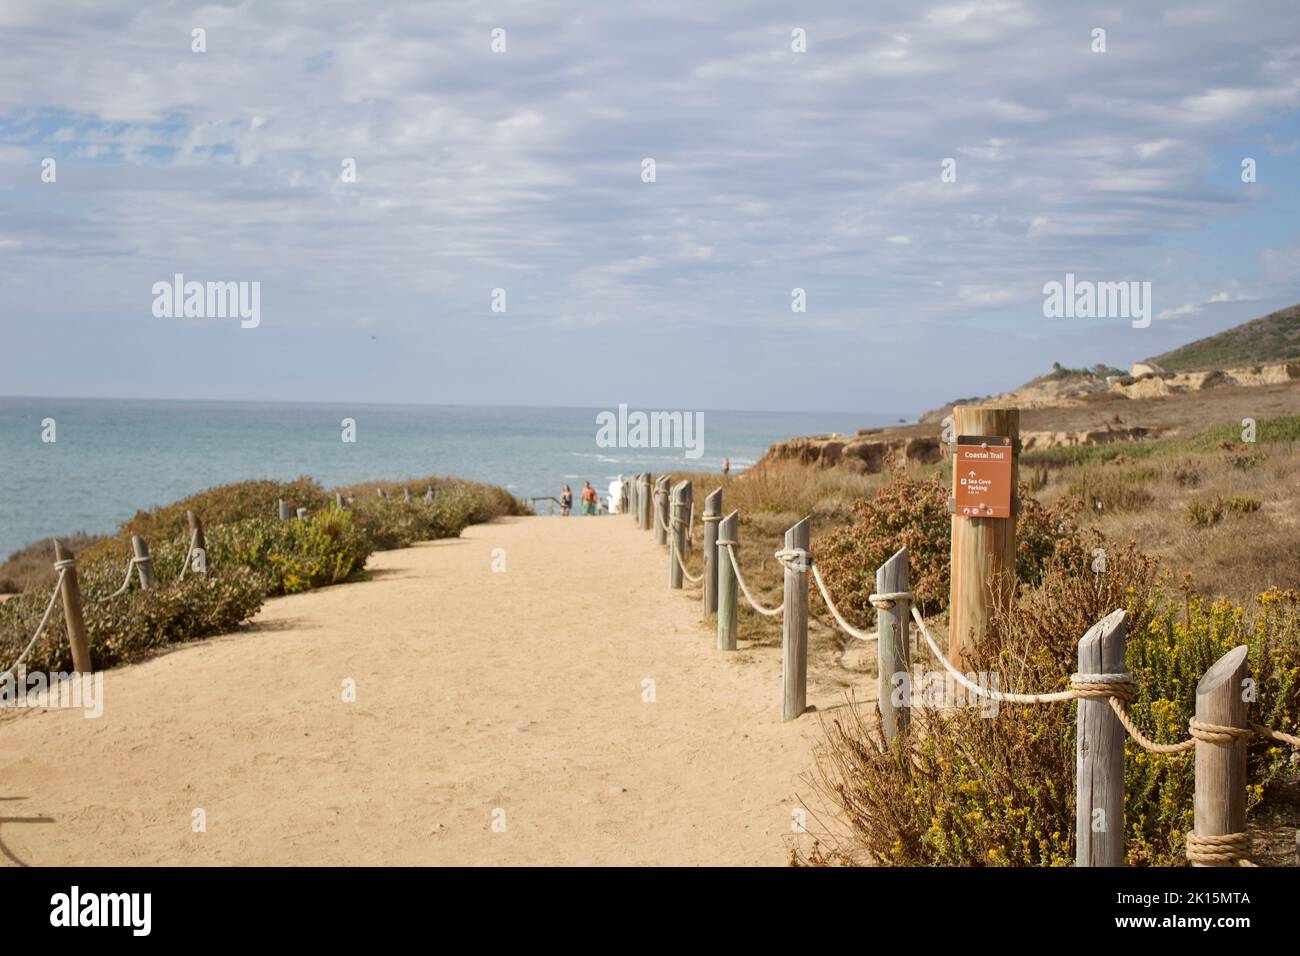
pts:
[523, 169]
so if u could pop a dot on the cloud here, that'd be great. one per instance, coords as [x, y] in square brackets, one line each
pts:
[522, 170]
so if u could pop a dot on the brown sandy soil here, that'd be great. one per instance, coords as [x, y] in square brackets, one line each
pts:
[475, 691]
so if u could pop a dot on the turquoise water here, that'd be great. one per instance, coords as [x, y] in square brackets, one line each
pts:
[113, 457]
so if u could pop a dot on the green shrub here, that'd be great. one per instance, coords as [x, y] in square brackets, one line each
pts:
[133, 624]
[220, 505]
[964, 790]
[914, 514]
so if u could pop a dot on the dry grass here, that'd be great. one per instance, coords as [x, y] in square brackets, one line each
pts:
[1237, 555]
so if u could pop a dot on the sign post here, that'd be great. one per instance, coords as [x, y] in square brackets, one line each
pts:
[984, 479]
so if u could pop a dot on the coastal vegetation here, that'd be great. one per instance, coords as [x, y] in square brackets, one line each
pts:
[1197, 540]
[251, 555]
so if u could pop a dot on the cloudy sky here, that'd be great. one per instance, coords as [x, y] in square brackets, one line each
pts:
[522, 170]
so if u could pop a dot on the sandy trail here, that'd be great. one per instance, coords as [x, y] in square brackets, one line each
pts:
[476, 692]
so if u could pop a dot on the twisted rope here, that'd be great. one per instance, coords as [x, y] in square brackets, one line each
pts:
[1230, 848]
[126, 582]
[765, 611]
[62, 567]
[194, 537]
[845, 626]
[672, 549]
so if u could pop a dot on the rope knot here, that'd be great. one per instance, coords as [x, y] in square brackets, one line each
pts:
[885, 600]
[1094, 686]
[795, 559]
[1229, 848]
[65, 563]
[1217, 733]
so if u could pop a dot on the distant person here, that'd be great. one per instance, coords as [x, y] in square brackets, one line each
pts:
[726, 466]
[589, 498]
[566, 501]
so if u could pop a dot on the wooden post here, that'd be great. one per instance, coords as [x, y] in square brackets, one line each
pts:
[428, 493]
[302, 514]
[983, 549]
[712, 514]
[406, 495]
[380, 493]
[285, 513]
[794, 626]
[71, 594]
[199, 542]
[339, 502]
[892, 659]
[1220, 800]
[676, 535]
[646, 501]
[662, 505]
[1099, 752]
[728, 530]
[143, 563]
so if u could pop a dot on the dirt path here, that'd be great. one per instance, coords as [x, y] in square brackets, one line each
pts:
[519, 693]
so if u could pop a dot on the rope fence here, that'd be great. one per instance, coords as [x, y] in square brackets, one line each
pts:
[1210, 736]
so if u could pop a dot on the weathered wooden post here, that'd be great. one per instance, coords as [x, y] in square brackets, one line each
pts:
[1220, 800]
[406, 495]
[302, 514]
[984, 481]
[143, 563]
[712, 515]
[71, 595]
[646, 502]
[198, 544]
[428, 493]
[633, 486]
[893, 668]
[728, 534]
[380, 493]
[676, 534]
[339, 502]
[794, 624]
[662, 505]
[1099, 751]
[285, 513]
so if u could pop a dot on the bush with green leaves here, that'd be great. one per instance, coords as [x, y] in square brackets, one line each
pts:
[135, 623]
[913, 513]
[962, 789]
[289, 556]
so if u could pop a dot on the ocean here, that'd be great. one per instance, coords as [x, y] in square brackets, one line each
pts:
[111, 458]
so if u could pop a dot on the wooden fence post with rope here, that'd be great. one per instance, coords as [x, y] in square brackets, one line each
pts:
[1220, 800]
[712, 515]
[143, 563]
[663, 513]
[1099, 750]
[677, 532]
[794, 622]
[284, 512]
[645, 502]
[728, 537]
[198, 556]
[892, 626]
[66, 561]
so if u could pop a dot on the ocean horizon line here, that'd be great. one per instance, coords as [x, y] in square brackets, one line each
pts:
[646, 406]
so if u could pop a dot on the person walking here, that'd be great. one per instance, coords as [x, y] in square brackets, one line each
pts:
[566, 501]
[588, 498]
[726, 466]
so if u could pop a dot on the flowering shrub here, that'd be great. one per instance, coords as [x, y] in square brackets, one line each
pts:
[962, 789]
[914, 514]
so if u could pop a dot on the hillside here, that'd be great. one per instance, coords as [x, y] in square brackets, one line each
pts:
[1273, 338]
